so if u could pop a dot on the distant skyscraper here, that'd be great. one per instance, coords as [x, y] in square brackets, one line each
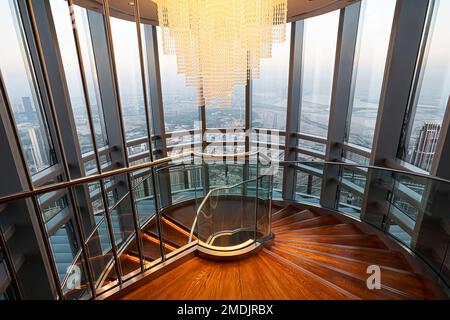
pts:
[425, 147]
[27, 106]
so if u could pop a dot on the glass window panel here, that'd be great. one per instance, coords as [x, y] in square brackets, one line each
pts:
[310, 145]
[180, 107]
[320, 39]
[23, 94]
[63, 26]
[350, 202]
[126, 52]
[356, 158]
[49, 211]
[270, 90]
[61, 244]
[308, 188]
[228, 116]
[432, 94]
[90, 70]
[373, 41]
[145, 30]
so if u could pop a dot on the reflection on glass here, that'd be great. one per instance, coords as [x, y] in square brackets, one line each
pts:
[308, 188]
[271, 89]
[356, 158]
[20, 82]
[350, 202]
[180, 107]
[432, 94]
[373, 37]
[63, 27]
[126, 52]
[63, 250]
[50, 208]
[318, 65]
[310, 145]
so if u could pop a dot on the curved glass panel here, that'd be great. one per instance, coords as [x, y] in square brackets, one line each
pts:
[20, 82]
[319, 52]
[373, 41]
[181, 111]
[271, 89]
[63, 27]
[126, 52]
[432, 95]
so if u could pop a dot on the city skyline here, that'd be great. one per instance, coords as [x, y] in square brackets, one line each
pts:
[269, 92]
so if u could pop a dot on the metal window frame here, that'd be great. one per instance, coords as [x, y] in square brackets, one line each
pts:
[346, 53]
[293, 107]
[410, 19]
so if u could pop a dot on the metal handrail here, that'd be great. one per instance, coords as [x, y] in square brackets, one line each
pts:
[355, 165]
[146, 165]
[211, 192]
[92, 233]
[202, 204]
[112, 173]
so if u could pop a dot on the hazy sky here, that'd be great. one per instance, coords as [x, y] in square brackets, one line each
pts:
[124, 34]
[12, 67]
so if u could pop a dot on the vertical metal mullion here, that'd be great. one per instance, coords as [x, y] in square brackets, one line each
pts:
[204, 145]
[59, 139]
[147, 119]
[417, 81]
[36, 207]
[256, 196]
[248, 124]
[341, 97]
[92, 133]
[293, 107]
[120, 114]
[405, 43]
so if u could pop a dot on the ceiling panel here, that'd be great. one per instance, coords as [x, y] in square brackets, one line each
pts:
[297, 9]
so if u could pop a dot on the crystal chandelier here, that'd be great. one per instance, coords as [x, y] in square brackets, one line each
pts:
[219, 43]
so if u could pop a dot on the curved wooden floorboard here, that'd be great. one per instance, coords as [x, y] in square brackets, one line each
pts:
[315, 255]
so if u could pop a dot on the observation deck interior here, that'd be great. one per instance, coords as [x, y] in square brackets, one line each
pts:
[327, 177]
[316, 254]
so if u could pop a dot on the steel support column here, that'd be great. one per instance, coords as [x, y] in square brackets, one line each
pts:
[410, 18]
[340, 101]
[293, 107]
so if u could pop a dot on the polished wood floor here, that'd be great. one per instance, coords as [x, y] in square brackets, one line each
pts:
[314, 256]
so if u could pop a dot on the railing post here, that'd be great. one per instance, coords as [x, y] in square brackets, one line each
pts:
[256, 196]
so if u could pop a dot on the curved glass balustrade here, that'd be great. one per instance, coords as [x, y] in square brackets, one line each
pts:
[234, 217]
[226, 219]
[228, 201]
[412, 208]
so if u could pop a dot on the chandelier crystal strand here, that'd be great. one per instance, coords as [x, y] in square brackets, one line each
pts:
[219, 43]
